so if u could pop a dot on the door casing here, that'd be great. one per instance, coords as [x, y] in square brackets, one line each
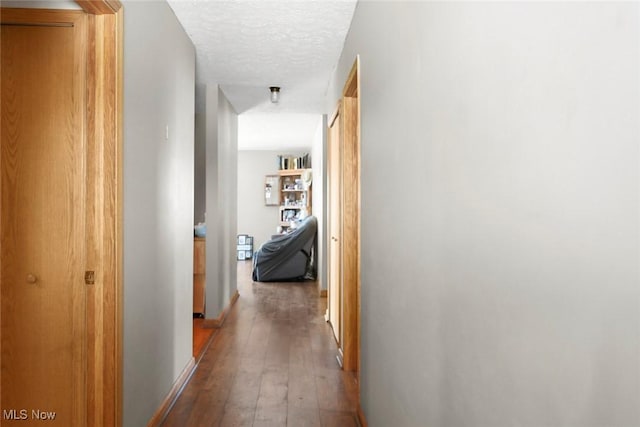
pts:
[351, 220]
[345, 271]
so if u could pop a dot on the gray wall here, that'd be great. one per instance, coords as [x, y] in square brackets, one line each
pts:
[318, 154]
[254, 218]
[221, 200]
[159, 72]
[200, 168]
[500, 232]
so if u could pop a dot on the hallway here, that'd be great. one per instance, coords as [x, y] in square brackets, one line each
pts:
[271, 364]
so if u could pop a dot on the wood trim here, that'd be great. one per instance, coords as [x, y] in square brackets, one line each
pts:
[351, 221]
[48, 17]
[322, 293]
[104, 230]
[168, 402]
[100, 7]
[118, 221]
[351, 86]
[361, 418]
[289, 172]
[94, 224]
[335, 115]
[219, 321]
[107, 80]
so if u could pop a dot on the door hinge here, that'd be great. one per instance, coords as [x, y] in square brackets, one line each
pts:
[89, 277]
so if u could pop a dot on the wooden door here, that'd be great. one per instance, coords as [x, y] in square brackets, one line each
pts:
[350, 175]
[42, 222]
[344, 226]
[335, 226]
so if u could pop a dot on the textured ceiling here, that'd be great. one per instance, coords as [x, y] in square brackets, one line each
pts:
[247, 46]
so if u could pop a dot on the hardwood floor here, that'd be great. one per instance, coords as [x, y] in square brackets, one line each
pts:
[201, 337]
[271, 364]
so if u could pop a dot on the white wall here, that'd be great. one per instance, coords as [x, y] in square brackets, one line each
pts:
[221, 200]
[159, 72]
[500, 221]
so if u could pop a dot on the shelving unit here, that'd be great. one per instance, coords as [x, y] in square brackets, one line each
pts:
[294, 197]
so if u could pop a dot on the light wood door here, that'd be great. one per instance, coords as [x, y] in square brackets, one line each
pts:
[344, 222]
[335, 227]
[42, 222]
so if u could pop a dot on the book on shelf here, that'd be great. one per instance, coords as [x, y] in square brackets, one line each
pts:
[292, 162]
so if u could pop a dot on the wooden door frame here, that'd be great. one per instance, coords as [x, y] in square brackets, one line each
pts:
[103, 38]
[351, 219]
[351, 212]
[104, 210]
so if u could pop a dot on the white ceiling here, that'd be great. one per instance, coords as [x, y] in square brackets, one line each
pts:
[277, 131]
[246, 46]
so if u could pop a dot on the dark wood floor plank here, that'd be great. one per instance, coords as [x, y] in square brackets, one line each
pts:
[300, 353]
[331, 391]
[246, 385]
[209, 411]
[237, 417]
[338, 419]
[302, 388]
[303, 417]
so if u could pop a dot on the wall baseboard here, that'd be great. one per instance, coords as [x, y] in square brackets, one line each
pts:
[361, 418]
[219, 321]
[182, 380]
[323, 293]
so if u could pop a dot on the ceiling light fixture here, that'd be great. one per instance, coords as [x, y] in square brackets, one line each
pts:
[275, 94]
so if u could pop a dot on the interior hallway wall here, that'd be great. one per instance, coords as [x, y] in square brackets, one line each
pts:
[200, 168]
[159, 74]
[221, 200]
[319, 197]
[500, 206]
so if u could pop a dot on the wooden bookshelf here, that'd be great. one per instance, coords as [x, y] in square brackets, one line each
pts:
[294, 197]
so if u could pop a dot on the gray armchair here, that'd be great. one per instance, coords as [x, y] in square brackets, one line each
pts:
[288, 257]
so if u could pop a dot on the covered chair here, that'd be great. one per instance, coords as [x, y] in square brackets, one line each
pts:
[287, 257]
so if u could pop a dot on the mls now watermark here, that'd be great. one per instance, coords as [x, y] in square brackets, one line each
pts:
[25, 414]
